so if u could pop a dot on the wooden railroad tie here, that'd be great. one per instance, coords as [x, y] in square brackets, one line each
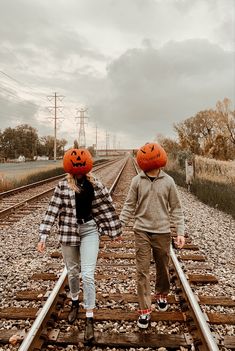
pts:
[193, 278]
[18, 313]
[76, 337]
[129, 298]
[114, 256]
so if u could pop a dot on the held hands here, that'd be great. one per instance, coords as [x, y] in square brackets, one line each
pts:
[179, 241]
[41, 246]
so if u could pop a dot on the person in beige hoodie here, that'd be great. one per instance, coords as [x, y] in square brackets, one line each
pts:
[154, 202]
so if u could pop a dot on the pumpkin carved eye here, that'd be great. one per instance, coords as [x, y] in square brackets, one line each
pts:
[77, 161]
[151, 156]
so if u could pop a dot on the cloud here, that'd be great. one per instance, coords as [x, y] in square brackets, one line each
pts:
[17, 112]
[138, 65]
[147, 90]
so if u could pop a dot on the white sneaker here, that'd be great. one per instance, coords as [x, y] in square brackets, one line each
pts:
[161, 301]
[143, 321]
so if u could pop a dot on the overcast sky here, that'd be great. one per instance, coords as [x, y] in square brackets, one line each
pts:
[139, 66]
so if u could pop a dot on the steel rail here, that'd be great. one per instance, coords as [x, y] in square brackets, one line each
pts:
[206, 334]
[51, 179]
[37, 326]
[35, 330]
[29, 186]
[9, 210]
[205, 331]
[111, 190]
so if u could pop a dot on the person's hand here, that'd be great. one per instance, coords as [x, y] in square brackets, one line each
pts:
[41, 246]
[180, 241]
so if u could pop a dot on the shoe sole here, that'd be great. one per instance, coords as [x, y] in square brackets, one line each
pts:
[142, 326]
[162, 309]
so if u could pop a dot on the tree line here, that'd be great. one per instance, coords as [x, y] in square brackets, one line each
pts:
[24, 140]
[210, 133]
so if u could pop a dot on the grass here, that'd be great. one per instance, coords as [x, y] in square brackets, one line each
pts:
[11, 183]
[215, 194]
[178, 177]
[215, 170]
[8, 184]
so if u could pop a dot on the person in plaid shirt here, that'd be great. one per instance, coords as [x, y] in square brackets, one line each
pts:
[85, 210]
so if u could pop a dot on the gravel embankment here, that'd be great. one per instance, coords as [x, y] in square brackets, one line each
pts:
[212, 230]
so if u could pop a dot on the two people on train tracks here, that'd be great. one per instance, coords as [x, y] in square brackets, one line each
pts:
[154, 203]
[85, 209]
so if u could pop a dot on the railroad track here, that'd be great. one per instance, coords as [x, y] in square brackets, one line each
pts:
[18, 202]
[115, 318]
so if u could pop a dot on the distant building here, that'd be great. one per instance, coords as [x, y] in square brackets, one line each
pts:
[21, 158]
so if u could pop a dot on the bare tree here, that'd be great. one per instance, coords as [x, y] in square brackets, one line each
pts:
[227, 118]
[210, 132]
[171, 146]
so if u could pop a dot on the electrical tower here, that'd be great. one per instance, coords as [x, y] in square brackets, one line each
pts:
[81, 133]
[55, 108]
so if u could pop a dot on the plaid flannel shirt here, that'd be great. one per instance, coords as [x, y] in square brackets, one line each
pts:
[63, 205]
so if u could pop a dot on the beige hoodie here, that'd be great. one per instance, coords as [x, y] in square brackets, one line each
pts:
[152, 204]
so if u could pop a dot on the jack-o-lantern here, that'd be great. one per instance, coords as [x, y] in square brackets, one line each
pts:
[151, 156]
[77, 161]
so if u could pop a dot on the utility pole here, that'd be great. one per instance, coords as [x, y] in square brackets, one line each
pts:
[107, 142]
[114, 141]
[81, 133]
[96, 140]
[55, 107]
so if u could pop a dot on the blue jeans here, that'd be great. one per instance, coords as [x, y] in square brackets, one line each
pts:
[83, 258]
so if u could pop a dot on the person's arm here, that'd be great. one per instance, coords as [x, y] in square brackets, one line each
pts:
[177, 216]
[129, 206]
[49, 218]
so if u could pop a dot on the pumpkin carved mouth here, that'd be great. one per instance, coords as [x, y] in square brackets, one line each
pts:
[78, 164]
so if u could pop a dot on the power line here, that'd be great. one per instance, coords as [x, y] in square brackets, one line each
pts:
[18, 99]
[8, 76]
[21, 84]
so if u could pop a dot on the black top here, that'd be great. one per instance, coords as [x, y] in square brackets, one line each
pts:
[84, 198]
[151, 178]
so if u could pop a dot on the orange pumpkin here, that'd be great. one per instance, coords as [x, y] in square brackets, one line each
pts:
[151, 156]
[77, 161]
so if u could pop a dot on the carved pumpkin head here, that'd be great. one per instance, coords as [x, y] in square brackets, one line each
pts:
[151, 156]
[77, 161]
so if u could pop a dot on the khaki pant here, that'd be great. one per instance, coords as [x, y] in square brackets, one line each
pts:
[159, 245]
